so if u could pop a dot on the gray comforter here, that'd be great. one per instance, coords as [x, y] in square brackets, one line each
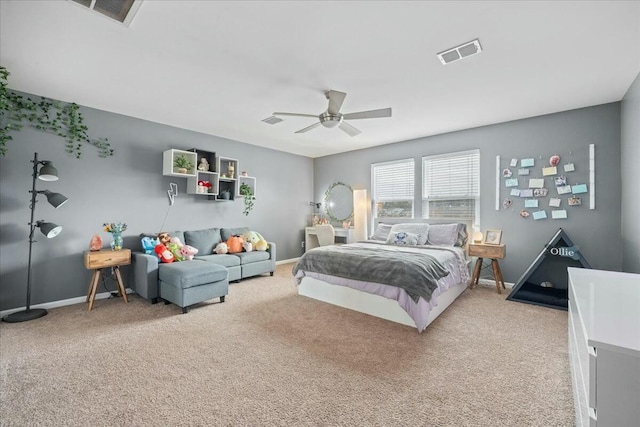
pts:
[416, 273]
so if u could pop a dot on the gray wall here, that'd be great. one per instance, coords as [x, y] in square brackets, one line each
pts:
[630, 125]
[129, 187]
[596, 232]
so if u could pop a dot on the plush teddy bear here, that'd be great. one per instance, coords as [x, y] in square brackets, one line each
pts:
[187, 252]
[221, 248]
[149, 244]
[164, 253]
[234, 243]
[164, 238]
[256, 239]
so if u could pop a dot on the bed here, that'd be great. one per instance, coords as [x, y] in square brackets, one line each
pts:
[401, 281]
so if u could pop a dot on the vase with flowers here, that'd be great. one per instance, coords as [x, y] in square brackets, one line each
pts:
[116, 230]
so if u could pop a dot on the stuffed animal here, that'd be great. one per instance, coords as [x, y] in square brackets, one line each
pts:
[256, 239]
[148, 245]
[163, 253]
[235, 244]
[221, 248]
[164, 238]
[176, 240]
[175, 250]
[247, 246]
[187, 252]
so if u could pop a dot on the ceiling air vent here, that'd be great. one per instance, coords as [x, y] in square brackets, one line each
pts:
[463, 51]
[120, 10]
[272, 120]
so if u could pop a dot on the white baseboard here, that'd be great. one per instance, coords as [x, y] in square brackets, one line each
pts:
[61, 303]
[492, 283]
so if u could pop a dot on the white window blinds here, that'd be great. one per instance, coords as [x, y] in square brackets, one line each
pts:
[393, 188]
[451, 185]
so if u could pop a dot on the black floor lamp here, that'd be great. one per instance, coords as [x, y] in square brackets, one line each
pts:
[47, 173]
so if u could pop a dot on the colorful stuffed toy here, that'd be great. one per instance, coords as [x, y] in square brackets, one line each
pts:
[256, 239]
[234, 243]
[221, 248]
[148, 245]
[164, 238]
[187, 252]
[247, 246]
[164, 253]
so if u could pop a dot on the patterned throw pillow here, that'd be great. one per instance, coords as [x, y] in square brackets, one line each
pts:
[419, 229]
[403, 238]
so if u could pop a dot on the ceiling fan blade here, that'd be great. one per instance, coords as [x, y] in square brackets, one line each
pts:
[335, 101]
[347, 128]
[308, 128]
[373, 114]
[296, 115]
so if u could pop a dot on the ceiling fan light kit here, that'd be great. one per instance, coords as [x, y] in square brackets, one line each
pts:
[462, 51]
[332, 117]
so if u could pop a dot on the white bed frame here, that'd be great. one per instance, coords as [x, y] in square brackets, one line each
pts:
[376, 305]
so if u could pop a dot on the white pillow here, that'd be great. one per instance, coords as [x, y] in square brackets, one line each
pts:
[443, 234]
[382, 232]
[419, 229]
[403, 238]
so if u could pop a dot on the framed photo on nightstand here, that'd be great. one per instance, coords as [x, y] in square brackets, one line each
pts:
[492, 237]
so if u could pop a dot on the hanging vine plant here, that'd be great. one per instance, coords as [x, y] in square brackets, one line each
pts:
[247, 196]
[63, 120]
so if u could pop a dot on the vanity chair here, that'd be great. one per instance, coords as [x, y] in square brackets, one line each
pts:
[326, 234]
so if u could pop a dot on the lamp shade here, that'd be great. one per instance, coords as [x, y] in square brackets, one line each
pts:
[49, 229]
[55, 199]
[48, 172]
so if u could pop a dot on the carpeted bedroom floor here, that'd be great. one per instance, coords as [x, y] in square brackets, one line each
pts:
[268, 357]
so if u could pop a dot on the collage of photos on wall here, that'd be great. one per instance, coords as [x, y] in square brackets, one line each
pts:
[542, 191]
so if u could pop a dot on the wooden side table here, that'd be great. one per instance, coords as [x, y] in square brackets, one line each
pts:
[97, 260]
[493, 252]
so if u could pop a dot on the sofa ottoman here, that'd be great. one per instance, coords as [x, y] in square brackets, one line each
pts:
[191, 282]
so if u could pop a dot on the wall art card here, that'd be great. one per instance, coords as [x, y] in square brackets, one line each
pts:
[565, 189]
[514, 163]
[523, 171]
[527, 163]
[540, 215]
[540, 192]
[506, 173]
[526, 193]
[569, 167]
[533, 203]
[511, 182]
[536, 183]
[574, 201]
[579, 188]
[559, 214]
[551, 170]
[560, 180]
[554, 202]
[514, 192]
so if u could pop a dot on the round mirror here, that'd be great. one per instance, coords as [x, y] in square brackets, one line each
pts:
[338, 202]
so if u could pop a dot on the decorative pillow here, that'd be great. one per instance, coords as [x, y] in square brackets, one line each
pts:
[403, 238]
[419, 229]
[461, 240]
[443, 234]
[382, 232]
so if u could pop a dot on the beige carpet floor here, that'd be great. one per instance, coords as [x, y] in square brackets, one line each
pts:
[268, 357]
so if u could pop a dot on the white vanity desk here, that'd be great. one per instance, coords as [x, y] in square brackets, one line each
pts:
[343, 235]
[604, 347]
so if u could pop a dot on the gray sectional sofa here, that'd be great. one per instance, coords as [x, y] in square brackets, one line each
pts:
[148, 270]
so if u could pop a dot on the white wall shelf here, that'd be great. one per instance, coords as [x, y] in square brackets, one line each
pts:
[168, 160]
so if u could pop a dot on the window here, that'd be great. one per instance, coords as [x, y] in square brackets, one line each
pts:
[450, 186]
[393, 184]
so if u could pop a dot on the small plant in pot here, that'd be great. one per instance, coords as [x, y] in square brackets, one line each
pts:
[182, 164]
[247, 194]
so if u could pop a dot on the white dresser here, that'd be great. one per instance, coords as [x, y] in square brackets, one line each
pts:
[343, 235]
[604, 347]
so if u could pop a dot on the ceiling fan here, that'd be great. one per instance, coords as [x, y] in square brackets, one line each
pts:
[333, 117]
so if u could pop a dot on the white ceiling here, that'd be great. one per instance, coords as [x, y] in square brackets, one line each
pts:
[220, 67]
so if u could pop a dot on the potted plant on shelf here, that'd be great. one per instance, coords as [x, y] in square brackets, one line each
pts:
[247, 194]
[181, 164]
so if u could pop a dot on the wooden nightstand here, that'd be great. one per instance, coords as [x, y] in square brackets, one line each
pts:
[97, 260]
[493, 252]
